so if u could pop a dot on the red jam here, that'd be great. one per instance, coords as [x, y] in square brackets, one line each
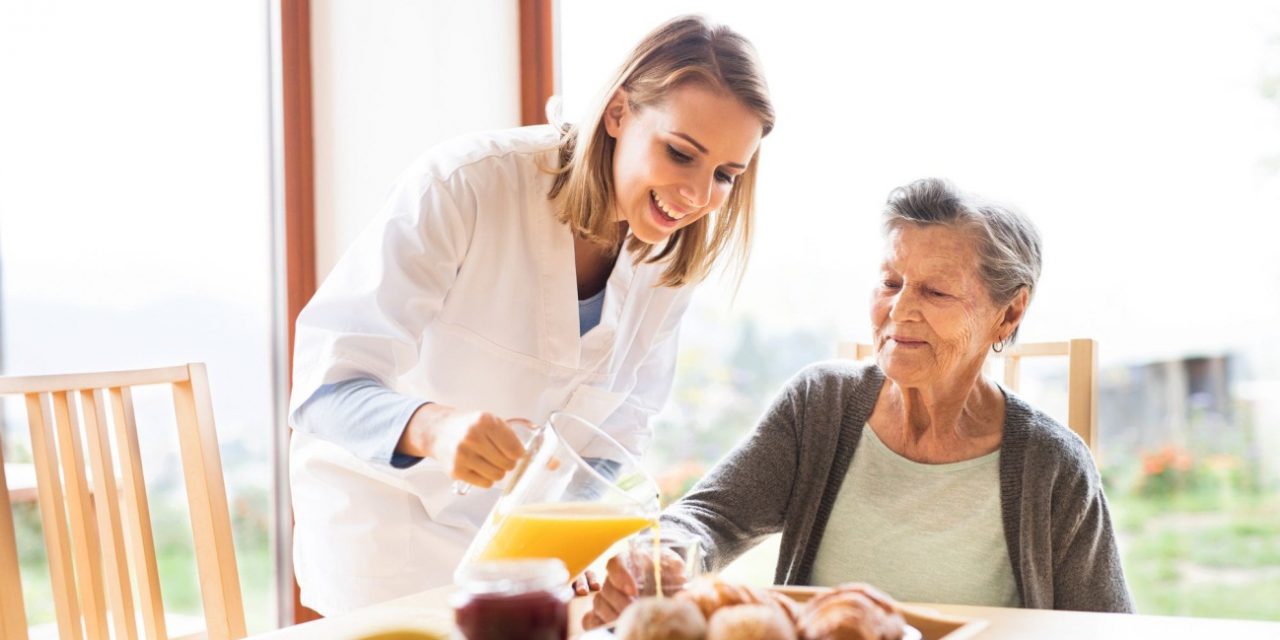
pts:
[513, 600]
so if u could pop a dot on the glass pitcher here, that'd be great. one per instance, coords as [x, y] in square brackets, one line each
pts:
[572, 496]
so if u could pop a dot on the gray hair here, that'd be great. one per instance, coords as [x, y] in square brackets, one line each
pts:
[1007, 242]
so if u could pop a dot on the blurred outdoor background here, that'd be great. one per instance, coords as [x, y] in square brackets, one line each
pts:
[1142, 137]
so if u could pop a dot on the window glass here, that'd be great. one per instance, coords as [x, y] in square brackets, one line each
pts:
[135, 231]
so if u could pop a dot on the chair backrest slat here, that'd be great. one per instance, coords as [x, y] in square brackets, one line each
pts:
[1012, 371]
[1039, 349]
[71, 381]
[13, 615]
[97, 524]
[79, 505]
[1082, 392]
[1082, 377]
[52, 517]
[201, 463]
[142, 548]
[119, 594]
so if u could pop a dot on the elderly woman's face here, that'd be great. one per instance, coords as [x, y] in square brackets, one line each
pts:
[932, 315]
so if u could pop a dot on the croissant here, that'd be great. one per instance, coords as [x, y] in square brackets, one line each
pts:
[712, 594]
[788, 606]
[882, 599]
[851, 612]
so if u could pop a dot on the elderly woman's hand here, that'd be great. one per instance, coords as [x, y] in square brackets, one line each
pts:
[586, 583]
[629, 575]
[618, 590]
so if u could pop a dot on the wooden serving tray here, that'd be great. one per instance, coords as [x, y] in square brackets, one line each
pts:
[933, 625]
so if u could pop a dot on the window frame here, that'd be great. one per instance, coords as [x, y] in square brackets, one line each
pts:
[295, 204]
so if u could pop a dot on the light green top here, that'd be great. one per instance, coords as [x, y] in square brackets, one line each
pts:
[920, 532]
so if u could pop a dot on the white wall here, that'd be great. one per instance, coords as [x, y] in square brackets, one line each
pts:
[392, 78]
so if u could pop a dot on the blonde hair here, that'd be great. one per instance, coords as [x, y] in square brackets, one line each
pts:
[682, 50]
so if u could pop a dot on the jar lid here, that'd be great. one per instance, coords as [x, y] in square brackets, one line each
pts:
[509, 577]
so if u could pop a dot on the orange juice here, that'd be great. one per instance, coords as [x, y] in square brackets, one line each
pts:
[657, 559]
[576, 533]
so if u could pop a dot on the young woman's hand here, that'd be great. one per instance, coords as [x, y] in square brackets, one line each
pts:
[476, 447]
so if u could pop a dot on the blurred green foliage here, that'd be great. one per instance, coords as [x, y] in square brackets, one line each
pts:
[175, 556]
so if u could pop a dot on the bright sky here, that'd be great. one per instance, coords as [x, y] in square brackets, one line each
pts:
[1134, 134]
[97, 126]
[135, 218]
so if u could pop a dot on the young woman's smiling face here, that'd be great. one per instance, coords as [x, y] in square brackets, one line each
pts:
[676, 161]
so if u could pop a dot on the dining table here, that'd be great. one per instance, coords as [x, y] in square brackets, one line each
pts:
[430, 610]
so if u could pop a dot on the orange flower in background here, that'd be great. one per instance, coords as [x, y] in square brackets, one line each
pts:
[1167, 457]
[1177, 457]
[1166, 469]
[677, 479]
[1152, 465]
[1181, 460]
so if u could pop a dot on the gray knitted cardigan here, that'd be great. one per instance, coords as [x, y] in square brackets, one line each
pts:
[786, 474]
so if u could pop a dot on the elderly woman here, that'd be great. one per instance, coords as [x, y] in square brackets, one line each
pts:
[918, 474]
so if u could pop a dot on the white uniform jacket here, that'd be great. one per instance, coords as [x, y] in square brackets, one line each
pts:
[463, 291]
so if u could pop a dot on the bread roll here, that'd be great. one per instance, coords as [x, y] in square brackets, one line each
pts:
[750, 622]
[666, 619]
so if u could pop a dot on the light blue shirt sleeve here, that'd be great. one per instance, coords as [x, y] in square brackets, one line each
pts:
[589, 311]
[366, 418]
[361, 416]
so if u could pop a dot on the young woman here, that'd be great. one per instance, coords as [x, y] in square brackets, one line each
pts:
[512, 274]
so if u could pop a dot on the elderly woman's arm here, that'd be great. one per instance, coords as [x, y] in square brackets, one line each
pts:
[744, 498]
[1087, 572]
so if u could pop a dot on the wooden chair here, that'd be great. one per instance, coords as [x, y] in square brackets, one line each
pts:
[1082, 377]
[95, 543]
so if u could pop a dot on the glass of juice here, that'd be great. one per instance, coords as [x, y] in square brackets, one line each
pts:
[575, 493]
[667, 556]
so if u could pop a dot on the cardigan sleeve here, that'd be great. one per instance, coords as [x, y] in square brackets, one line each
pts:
[1057, 521]
[1087, 574]
[744, 498]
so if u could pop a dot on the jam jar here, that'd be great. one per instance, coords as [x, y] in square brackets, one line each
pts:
[513, 600]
